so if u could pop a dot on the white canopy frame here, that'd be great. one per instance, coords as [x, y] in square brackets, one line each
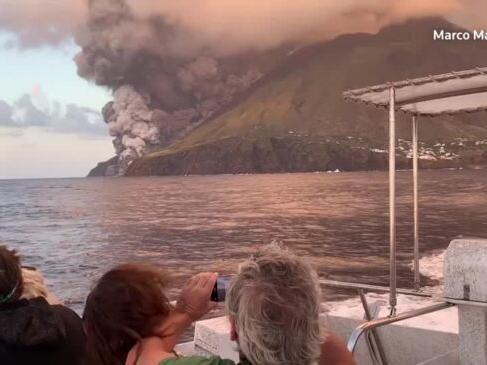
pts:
[431, 96]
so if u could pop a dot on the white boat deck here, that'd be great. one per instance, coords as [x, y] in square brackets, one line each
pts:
[429, 339]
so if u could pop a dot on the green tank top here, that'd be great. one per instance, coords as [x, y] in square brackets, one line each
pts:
[197, 360]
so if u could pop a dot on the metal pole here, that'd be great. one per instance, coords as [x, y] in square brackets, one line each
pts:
[417, 283]
[392, 200]
[375, 345]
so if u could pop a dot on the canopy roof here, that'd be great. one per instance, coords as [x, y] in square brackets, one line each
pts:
[450, 93]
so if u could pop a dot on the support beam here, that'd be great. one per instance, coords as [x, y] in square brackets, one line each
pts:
[392, 201]
[417, 283]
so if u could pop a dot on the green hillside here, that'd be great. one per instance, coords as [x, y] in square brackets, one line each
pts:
[299, 107]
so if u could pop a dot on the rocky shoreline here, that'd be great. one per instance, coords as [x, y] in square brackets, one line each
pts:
[295, 153]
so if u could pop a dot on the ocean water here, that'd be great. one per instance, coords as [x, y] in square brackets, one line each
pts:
[73, 230]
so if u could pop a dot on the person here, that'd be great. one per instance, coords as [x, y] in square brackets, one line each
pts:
[193, 303]
[273, 304]
[31, 330]
[127, 304]
[34, 286]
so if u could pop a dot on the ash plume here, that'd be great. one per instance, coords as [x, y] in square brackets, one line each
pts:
[161, 90]
[227, 26]
[471, 14]
[230, 27]
[36, 23]
[129, 120]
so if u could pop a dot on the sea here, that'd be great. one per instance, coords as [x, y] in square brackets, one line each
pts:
[74, 230]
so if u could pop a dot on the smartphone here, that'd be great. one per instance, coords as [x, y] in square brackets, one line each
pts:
[220, 289]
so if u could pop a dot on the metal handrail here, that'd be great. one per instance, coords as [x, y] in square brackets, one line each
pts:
[373, 342]
[473, 303]
[367, 326]
[375, 288]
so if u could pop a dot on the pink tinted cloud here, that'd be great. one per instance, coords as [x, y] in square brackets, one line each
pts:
[39, 22]
[234, 24]
[36, 91]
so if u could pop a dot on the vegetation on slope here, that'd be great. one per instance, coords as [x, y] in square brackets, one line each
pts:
[296, 120]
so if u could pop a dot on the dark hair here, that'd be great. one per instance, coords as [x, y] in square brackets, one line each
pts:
[125, 305]
[10, 276]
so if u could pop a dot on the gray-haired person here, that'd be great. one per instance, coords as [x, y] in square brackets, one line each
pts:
[273, 304]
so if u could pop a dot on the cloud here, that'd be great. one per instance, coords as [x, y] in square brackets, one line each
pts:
[229, 25]
[54, 117]
[5, 114]
[80, 120]
[25, 113]
[39, 22]
[472, 14]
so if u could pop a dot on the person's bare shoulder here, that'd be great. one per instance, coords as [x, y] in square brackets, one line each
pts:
[334, 352]
[149, 351]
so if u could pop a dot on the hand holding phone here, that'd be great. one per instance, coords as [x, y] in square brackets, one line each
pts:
[194, 299]
[220, 289]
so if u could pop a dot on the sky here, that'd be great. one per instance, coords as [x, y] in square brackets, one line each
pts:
[57, 129]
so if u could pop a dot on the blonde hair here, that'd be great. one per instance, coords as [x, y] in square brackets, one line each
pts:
[275, 304]
[34, 286]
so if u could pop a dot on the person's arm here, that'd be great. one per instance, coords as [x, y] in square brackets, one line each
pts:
[193, 303]
[334, 352]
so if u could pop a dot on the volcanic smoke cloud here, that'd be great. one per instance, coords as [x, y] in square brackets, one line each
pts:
[35, 23]
[161, 91]
[173, 65]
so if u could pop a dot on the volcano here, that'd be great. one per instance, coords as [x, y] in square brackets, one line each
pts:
[294, 118]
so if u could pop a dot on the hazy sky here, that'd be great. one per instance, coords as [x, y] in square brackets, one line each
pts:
[58, 131]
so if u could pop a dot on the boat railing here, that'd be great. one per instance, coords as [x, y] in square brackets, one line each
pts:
[368, 328]
[364, 328]
[375, 288]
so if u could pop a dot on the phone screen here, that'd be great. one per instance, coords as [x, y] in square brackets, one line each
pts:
[220, 289]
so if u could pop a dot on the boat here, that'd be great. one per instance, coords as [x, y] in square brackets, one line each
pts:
[457, 334]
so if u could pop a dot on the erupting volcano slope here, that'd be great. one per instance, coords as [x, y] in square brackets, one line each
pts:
[294, 118]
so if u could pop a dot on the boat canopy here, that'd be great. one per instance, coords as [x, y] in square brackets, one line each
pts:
[449, 93]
